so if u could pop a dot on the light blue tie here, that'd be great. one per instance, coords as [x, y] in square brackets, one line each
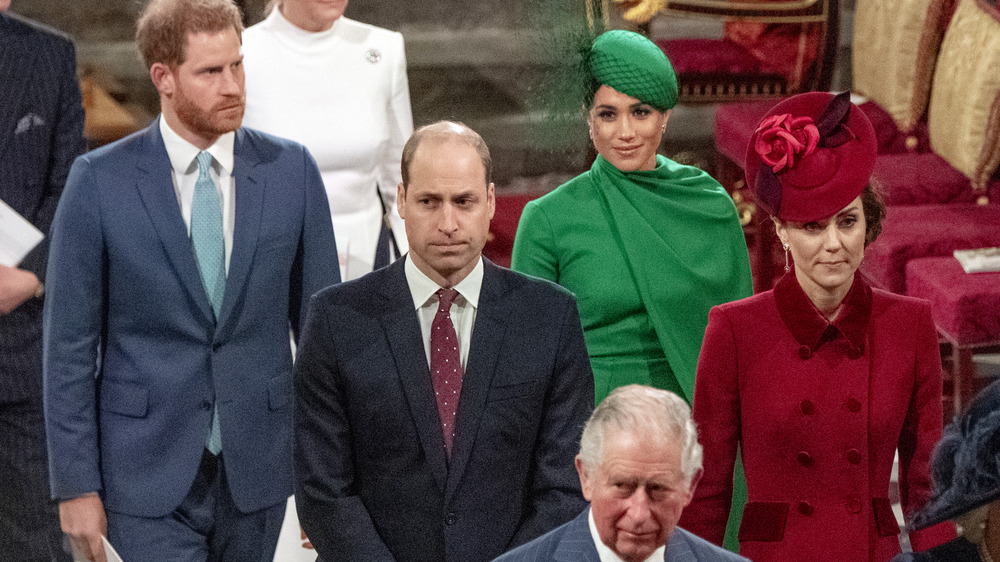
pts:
[210, 250]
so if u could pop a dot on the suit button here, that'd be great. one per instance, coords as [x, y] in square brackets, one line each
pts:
[450, 519]
[807, 407]
[853, 405]
[805, 352]
[206, 405]
[216, 346]
[853, 456]
[805, 508]
[854, 352]
[854, 505]
[805, 459]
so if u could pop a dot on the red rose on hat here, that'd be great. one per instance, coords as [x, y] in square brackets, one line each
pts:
[782, 139]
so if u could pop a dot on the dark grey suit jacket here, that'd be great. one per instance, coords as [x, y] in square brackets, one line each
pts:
[373, 481]
[573, 542]
[41, 132]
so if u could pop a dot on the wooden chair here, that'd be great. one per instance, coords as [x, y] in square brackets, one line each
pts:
[769, 50]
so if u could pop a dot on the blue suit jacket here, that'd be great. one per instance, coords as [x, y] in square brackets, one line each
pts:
[373, 481]
[41, 132]
[134, 357]
[573, 542]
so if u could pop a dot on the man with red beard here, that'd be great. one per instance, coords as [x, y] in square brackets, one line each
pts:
[179, 257]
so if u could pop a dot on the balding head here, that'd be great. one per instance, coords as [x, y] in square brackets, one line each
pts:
[441, 132]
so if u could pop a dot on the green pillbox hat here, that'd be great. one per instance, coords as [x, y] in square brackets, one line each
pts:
[635, 66]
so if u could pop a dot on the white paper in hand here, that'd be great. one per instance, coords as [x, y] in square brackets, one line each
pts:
[17, 236]
[109, 552]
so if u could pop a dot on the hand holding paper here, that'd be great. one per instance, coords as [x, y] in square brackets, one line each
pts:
[16, 286]
[83, 519]
[17, 236]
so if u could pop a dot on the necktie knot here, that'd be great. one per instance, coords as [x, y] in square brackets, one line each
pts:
[204, 165]
[445, 298]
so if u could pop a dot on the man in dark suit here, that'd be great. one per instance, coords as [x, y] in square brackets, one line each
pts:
[41, 132]
[439, 400]
[179, 258]
[639, 463]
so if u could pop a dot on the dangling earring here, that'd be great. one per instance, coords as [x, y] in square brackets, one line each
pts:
[785, 246]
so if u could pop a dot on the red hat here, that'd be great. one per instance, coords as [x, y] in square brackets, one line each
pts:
[810, 156]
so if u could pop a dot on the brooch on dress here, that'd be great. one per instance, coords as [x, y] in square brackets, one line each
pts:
[373, 55]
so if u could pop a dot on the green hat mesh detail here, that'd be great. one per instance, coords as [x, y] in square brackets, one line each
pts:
[635, 66]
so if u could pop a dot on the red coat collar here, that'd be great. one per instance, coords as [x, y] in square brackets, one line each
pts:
[811, 329]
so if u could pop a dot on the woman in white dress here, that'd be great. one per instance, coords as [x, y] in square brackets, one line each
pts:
[339, 87]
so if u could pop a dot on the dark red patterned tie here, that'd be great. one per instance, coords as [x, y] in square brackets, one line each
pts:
[446, 365]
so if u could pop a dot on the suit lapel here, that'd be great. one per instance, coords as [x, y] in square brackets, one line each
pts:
[403, 332]
[16, 63]
[487, 336]
[249, 194]
[577, 545]
[156, 189]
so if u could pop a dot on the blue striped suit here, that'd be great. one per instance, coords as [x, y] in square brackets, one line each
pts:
[41, 132]
[572, 542]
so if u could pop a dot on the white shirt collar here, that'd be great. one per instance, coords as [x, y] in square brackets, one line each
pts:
[182, 154]
[422, 287]
[608, 555]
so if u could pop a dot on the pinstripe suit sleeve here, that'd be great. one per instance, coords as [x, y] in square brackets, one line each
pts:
[66, 144]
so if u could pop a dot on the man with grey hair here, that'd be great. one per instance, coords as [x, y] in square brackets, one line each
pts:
[639, 463]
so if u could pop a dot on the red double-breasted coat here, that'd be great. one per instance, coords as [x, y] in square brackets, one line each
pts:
[818, 410]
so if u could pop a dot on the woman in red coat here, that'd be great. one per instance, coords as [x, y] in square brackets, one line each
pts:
[819, 381]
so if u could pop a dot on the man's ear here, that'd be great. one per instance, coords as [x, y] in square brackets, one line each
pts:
[491, 199]
[401, 200]
[585, 480]
[163, 78]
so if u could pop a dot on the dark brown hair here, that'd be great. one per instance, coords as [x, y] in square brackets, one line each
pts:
[873, 205]
[163, 28]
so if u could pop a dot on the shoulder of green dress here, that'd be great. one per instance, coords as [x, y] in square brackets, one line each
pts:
[579, 187]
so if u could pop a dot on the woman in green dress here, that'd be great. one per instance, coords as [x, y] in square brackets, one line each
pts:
[647, 245]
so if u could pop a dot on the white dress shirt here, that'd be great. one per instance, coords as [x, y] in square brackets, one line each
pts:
[608, 555]
[463, 309]
[183, 160]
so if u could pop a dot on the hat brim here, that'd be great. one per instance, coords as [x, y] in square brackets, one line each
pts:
[945, 508]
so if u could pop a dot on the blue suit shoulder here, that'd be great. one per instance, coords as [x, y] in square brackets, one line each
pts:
[268, 146]
[703, 550]
[573, 541]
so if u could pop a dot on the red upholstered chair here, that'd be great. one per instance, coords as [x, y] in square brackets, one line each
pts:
[769, 49]
[500, 244]
[960, 177]
[966, 310]
[913, 253]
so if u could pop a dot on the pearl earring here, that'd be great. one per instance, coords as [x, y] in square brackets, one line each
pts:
[785, 246]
